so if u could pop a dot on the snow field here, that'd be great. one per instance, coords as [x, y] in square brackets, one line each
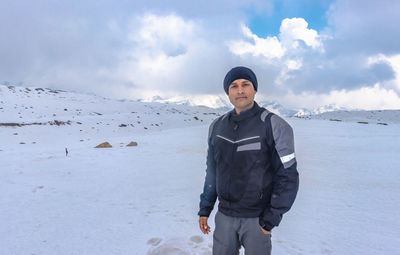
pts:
[144, 200]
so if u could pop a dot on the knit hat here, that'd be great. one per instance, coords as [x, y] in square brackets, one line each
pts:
[239, 72]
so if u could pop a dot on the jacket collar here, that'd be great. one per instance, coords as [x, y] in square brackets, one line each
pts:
[244, 115]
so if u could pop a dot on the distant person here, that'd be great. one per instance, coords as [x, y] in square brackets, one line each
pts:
[66, 152]
[251, 169]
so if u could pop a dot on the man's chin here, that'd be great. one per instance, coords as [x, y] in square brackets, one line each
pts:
[242, 102]
[242, 106]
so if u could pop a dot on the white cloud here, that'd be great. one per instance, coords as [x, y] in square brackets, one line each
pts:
[269, 47]
[295, 29]
[294, 64]
[160, 48]
[291, 32]
[162, 32]
[394, 62]
[368, 98]
[168, 55]
[286, 68]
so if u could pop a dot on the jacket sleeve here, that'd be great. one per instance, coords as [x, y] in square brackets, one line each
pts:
[286, 179]
[209, 195]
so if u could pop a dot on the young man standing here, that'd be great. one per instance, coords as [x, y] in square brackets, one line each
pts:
[251, 169]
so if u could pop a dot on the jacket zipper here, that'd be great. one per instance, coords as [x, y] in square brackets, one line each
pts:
[235, 132]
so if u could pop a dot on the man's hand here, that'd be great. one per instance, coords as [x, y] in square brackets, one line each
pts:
[204, 225]
[265, 231]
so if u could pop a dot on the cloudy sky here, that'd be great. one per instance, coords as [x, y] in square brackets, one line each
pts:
[305, 53]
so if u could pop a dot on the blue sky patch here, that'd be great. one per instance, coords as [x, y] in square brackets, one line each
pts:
[313, 11]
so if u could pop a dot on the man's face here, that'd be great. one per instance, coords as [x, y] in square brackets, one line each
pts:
[241, 94]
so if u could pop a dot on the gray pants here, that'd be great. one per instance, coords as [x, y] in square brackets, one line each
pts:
[232, 232]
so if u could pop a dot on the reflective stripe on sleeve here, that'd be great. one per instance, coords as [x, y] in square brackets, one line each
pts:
[287, 158]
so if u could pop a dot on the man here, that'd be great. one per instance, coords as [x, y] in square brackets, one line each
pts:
[251, 169]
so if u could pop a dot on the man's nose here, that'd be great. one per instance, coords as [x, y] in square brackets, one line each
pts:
[240, 90]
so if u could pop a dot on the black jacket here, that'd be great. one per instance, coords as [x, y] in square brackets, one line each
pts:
[251, 167]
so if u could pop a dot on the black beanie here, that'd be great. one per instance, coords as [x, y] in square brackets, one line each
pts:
[239, 72]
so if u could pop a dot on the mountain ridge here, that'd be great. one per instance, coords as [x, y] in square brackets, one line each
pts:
[26, 105]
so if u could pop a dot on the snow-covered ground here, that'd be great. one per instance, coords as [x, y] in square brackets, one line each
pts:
[380, 117]
[144, 199]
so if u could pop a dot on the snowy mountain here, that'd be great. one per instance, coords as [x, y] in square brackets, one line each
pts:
[91, 116]
[212, 101]
[326, 112]
[322, 109]
[277, 108]
[220, 102]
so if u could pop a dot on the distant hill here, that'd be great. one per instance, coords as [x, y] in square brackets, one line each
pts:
[220, 102]
[212, 101]
[32, 106]
[322, 109]
[382, 117]
[278, 108]
[25, 106]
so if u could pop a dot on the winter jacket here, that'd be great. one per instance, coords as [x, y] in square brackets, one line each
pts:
[251, 167]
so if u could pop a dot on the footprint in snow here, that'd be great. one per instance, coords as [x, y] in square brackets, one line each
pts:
[154, 241]
[197, 239]
[194, 246]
